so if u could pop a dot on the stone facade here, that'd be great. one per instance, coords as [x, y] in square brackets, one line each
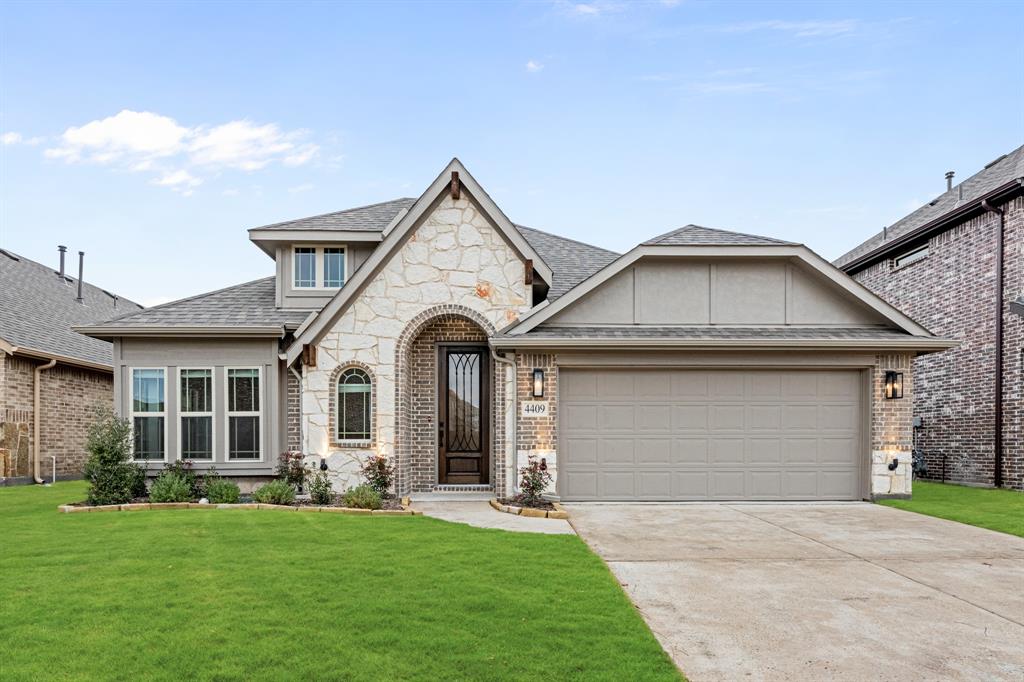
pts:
[951, 292]
[454, 262]
[68, 396]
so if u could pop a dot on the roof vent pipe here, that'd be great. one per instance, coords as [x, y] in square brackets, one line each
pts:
[63, 250]
[949, 180]
[81, 266]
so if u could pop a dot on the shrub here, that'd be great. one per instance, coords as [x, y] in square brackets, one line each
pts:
[535, 480]
[170, 486]
[291, 468]
[379, 472]
[112, 477]
[362, 497]
[275, 492]
[320, 491]
[183, 469]
[221, 491]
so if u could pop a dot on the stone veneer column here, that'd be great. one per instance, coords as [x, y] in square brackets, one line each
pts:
[892, 429]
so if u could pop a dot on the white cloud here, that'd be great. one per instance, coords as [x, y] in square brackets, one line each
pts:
[589, 9]
[800, 29]
[534, 67]
[143, 141]
[13, 138]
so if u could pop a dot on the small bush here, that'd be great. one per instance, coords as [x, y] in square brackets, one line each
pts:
[170, 486]
[379, 472]
[221, 491]
[275, 492]
[112, 477]
[291, 468]
[362, 497]
[535, 480]
[183, 469]
[320, 491]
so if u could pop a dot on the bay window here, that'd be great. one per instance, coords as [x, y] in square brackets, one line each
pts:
[195, 414]
[149, 405]
[243, 414]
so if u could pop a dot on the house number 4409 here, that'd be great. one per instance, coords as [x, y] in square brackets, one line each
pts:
[535, 408]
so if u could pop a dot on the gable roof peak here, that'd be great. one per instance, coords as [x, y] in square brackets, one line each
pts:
[691, 235]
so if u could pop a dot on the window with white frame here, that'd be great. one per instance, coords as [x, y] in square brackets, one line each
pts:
[243, 414]
[318, 267]
[195, 414]
[149, 405]
[354, 406]
[304, 266]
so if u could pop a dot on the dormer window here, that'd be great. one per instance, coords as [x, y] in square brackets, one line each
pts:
[318, 267]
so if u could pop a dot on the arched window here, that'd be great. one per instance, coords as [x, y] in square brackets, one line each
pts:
[353, 406]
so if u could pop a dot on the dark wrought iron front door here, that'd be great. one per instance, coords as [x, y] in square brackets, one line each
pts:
[463, 414]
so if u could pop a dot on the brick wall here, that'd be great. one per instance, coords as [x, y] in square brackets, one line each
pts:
[68, 396]
[892, 431]
[293, 414]
[538, 435]
[952, 293]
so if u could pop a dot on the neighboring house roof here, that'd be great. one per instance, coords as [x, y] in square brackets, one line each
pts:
[372, 218]
[956, 204]
[247, 308]
[571, 261]
[694, 235]
[38, 309]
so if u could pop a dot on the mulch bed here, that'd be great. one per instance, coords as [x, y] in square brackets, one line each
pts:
[388, 503]
[519, 501]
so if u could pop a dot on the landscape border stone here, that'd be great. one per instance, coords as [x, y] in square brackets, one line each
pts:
[406, 510]
[557, 513]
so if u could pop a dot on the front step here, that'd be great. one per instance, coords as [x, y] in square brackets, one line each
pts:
[465, 493]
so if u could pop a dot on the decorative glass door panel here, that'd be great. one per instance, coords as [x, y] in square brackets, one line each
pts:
[463, 414]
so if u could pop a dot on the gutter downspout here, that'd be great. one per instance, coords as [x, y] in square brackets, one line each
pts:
[36, 436]
[511, 427]
[997, 479]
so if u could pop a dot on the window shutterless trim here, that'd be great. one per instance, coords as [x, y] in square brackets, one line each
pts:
[228, 414]
[132, 413]
[211, 414]
[319, 267]
[353, 442]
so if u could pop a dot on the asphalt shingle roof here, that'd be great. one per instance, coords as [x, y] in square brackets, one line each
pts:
[250, 304]
[715, 333]
[1005, 169]
[372, 218]
[695, 235]
[38, 309]
[570, 261]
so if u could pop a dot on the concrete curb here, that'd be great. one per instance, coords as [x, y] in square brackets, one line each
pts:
[558, 513]
[406, 510]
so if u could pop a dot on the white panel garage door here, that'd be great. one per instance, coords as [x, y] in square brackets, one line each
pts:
[709, 434]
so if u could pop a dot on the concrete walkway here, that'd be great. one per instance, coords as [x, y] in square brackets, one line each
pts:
[480, 514]
[810, 592]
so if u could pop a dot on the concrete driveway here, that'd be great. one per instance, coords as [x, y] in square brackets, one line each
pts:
[848, 591]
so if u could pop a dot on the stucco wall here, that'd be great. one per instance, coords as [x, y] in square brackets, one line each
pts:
[455, 258]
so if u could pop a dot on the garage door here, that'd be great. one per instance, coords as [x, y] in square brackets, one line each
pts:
[709, 435]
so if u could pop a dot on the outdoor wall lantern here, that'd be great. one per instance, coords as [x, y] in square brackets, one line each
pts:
[538, 383]
[893, 385]
[323, 464]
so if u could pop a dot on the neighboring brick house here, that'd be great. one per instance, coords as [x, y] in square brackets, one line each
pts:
[38, 305]
[702, 364]
[941, 265]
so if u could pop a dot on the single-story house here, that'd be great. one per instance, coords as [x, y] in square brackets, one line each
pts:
[51, 378]
[700, 365]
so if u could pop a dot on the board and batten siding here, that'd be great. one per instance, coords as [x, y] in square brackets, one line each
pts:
[683, 291]
[219, 354]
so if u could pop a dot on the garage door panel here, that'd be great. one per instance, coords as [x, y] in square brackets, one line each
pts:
[690, 451]
[710, 434]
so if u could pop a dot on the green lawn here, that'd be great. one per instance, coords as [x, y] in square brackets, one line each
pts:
[231, 594]
[1001, 510]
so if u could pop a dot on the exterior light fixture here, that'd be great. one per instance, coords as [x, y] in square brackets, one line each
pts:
[538, 383]
[323, 464]
[893, 385]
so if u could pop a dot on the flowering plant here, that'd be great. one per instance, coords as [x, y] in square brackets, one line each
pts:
[379, 472]
[535, 479]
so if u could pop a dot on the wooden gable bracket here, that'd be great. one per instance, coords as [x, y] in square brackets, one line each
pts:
[529, 272]
[309, 354]
[456, 185]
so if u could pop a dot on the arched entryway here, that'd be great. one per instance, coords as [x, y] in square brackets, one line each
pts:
[446, 401]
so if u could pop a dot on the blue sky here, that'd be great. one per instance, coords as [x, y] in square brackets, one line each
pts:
[152, 135]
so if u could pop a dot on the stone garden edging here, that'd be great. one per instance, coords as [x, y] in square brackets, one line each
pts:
[557, 513]
[157, 506]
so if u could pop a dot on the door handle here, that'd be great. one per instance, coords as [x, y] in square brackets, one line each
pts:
[440, 434]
